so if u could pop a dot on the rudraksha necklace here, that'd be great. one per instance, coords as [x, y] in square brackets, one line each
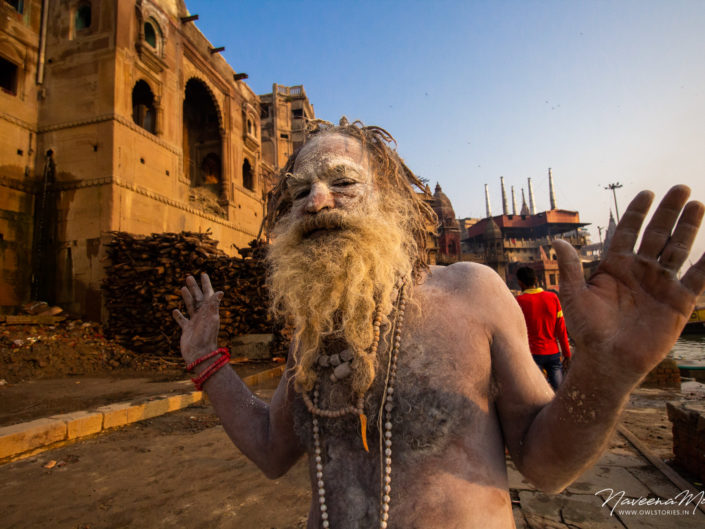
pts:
[386, 407]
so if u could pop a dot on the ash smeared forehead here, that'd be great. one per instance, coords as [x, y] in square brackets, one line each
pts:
[325, 163]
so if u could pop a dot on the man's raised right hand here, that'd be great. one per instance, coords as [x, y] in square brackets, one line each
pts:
[199, 332]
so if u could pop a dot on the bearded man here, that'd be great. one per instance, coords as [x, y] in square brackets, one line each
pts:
[404, 383]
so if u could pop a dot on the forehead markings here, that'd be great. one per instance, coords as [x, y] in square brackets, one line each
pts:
[318, 165]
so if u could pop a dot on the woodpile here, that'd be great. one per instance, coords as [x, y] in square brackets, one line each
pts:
[144, 278]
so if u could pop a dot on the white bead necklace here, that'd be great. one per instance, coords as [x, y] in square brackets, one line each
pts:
[385, 440]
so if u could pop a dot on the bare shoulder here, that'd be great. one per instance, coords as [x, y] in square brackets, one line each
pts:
[466, 277]
[477, 286]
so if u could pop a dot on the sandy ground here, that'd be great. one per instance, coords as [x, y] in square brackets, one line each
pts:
[178, 470]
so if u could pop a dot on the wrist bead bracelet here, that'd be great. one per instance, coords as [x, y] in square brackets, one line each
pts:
[215, 366]
[219, 351]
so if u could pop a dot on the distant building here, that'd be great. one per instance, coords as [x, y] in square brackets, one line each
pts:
[506, 242]
[284, 114]
[448, 228]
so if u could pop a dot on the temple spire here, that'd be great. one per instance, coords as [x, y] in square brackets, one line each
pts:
[505, 208]
[487, 201]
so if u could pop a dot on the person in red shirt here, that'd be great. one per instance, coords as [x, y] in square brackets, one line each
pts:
[545, 324]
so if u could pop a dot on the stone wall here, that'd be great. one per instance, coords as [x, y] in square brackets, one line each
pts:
[688, 419]
[665, 375]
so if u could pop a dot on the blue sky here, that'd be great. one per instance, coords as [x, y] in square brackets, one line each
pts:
[599, 91]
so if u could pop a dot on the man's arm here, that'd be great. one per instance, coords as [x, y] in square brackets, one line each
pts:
[562, 334]
[263, 432]
[624, 321]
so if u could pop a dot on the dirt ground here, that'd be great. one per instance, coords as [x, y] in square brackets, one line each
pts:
[178, 470]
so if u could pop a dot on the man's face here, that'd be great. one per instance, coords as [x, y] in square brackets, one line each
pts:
[332, 175]
[336, 255]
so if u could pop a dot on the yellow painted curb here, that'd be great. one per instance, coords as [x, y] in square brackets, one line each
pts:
[21, 440]
[27, 436]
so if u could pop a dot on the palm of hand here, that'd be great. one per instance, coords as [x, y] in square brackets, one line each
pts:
[633, 308]
[199, 334]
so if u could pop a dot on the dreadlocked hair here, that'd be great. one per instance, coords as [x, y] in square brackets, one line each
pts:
[391, 177]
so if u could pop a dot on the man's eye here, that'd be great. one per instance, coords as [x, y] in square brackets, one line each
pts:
[343, 183]
[301, 193]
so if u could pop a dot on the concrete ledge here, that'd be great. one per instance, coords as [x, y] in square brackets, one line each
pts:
[27, 436]
[20, 440]
[251, 346]
[114, 415]
[81, 423]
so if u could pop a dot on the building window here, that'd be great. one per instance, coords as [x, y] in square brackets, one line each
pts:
[249, 127]
[17, 5]
[264, 111]
[150, 34]
[297, 113]
[143, 112]
[247, 177]
[551, 279]
[82, 19]
[8, 77]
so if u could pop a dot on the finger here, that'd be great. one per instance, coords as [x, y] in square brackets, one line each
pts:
[196, 293]
[188, 301]
[569, 268]
[206, 285]
[678, 247]
[215, 301]
[694, 278]
[659, 229]
[180, 318]
[629, 226]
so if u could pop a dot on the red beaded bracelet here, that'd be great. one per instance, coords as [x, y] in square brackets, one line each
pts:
[219, 351]
[215, 366]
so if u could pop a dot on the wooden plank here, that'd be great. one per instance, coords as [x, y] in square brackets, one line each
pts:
[27, 319]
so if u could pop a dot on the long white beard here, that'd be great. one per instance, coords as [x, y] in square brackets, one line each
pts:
[328, 273]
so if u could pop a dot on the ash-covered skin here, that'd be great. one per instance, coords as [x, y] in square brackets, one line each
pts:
[426, 417]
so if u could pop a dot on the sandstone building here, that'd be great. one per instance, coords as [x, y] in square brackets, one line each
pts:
[284, 113]
[119, 115]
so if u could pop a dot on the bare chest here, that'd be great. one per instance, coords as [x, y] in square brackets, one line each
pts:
[442, 386]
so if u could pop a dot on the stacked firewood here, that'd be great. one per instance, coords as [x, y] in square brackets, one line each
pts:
[144, 277]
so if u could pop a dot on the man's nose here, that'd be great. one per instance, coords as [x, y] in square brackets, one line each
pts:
[319, 197]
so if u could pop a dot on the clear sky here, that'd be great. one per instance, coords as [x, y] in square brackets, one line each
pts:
[600, 91]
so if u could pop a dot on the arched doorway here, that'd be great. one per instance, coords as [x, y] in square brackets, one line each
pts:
[202, 139]
[143, 112]
[248, 179]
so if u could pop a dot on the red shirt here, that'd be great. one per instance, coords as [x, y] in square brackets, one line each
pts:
[544, 322]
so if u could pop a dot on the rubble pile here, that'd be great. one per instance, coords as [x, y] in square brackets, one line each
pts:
[68, 348]
[144, 277]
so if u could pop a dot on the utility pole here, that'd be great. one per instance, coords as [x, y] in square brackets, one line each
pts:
[613, 187]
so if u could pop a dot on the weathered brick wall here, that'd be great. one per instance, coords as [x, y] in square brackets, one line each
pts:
[688, 420]
[665, 375]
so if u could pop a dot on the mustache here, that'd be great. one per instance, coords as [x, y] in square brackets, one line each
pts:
[325, 220]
